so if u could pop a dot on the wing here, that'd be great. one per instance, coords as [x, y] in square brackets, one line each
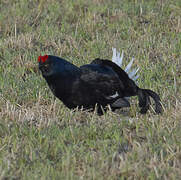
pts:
[121, 73]
[129, 85]
[103, 81]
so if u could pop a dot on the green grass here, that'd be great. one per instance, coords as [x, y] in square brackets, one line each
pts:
[40, 138]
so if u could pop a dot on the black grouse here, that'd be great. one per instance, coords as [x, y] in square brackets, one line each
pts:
[98, 84]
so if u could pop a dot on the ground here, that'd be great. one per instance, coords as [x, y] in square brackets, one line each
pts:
[40, 138]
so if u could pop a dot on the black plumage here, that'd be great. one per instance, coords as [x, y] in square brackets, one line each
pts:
[98, 84]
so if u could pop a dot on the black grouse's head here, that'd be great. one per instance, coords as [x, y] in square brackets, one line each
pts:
[48, 65]
[53, 66]
[44, 64]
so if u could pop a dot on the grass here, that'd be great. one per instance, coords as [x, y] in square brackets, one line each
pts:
[40, 138]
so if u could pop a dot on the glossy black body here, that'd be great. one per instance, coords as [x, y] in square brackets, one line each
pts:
[98, 84]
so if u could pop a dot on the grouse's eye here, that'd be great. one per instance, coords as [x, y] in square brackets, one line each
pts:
[46, 65]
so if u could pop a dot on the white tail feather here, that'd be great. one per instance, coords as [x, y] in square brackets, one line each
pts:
[116, 57]
[119, 60]
[128, 67]
[133, 73]
[135, 78]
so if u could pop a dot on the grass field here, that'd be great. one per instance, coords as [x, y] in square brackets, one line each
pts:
[40, 138]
